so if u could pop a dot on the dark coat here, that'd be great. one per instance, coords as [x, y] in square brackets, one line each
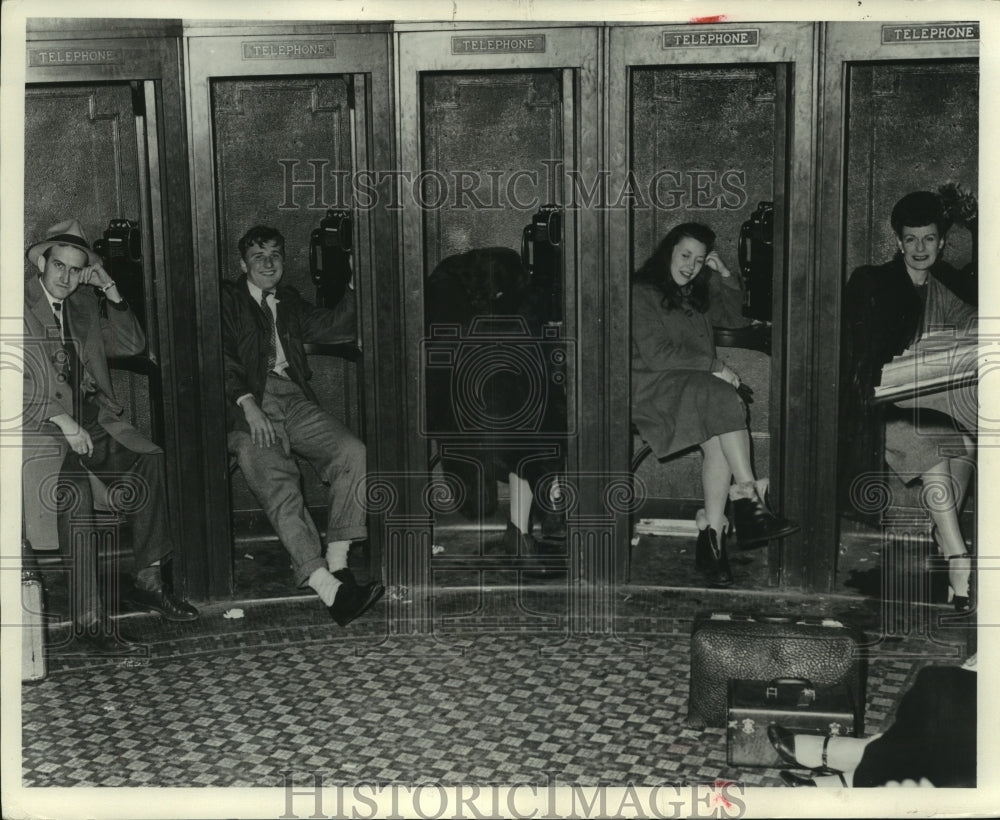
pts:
[100, 329]
[667, 345]
[489, 298]
[882, 316]
[245, 340]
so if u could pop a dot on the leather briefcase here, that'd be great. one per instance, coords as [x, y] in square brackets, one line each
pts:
[792, 703]
[741, 646]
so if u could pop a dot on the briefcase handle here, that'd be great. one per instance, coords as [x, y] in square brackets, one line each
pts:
[807, 693]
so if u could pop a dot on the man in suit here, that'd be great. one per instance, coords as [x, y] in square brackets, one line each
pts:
[73, 426]
[272, 412]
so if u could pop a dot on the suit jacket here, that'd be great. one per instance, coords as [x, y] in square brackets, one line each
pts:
[100, 329]
[245, 340]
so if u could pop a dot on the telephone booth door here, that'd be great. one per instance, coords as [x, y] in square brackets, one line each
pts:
[103, 136]
[497, 124]
[901, 103]
[286, 121]
[712, 124]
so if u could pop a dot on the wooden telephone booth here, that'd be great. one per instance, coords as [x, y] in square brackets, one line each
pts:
[284, 121]
[497, 124]
[105, 142]
[704, 123]
[901, 114]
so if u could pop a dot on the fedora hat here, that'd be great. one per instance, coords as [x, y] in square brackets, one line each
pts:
[65, 233]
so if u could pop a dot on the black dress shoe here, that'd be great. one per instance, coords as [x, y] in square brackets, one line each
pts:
[790, 779]
[161, 600]
[107, 643]
[353, 599]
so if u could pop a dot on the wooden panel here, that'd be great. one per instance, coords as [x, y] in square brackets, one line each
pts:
[494, 124]
[888, 157]
[684, 128]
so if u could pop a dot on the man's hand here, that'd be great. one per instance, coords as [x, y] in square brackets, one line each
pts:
[261, 429]
[99, 278]
[79, 439]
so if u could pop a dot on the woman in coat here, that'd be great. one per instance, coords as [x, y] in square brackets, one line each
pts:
[932, 741]
[886, 309]
[682, 395]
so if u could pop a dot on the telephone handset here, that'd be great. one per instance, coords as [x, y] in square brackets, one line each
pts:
[330, 257]
[541, 255]
[756, 257]
[121, 250]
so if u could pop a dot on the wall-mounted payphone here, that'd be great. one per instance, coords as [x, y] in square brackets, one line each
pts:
[756, 256]
[330, 257]
[541, 255]
[121, 249]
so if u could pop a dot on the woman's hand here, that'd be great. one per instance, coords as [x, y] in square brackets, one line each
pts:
[714, 261]
[727, 374]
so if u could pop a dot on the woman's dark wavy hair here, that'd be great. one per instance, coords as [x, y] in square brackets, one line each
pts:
[655, 271]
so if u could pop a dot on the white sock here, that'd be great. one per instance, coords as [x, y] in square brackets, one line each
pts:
[336, 554]
[324, 584]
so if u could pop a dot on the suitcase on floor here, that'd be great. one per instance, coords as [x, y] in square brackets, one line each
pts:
[742, 646]
[792, 703]
[33, 628]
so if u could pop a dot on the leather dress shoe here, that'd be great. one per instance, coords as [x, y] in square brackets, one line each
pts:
[161, 600]
[353, 599]
[790, 779]
[107, 643]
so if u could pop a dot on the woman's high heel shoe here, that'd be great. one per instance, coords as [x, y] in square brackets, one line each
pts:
[962, 603]
[783, 741]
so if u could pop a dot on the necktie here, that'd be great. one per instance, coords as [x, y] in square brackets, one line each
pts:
[57, 312]
[72, 359]
[272, 347]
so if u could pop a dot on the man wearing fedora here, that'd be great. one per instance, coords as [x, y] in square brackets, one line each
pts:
[74, 319]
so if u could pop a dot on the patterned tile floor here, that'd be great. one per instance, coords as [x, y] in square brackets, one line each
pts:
[475, 680]
[499, 690]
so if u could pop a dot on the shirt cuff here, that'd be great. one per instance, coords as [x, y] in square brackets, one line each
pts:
[239, 401]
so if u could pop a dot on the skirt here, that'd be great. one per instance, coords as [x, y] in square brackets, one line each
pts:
[682, 408]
